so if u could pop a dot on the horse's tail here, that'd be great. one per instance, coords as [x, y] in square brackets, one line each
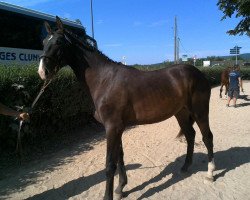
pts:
[181, 133]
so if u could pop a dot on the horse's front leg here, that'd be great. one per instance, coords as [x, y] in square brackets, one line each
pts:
[122, 173]
[113, 145]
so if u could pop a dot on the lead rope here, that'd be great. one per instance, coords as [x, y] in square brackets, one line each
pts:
[19, 142]
[45, 85]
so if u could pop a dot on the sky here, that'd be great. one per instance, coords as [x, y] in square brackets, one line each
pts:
[141, 31]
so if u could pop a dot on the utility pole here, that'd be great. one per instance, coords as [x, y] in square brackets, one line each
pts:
[175, 38]
[177, 51]
[92, 19]
[176, 42]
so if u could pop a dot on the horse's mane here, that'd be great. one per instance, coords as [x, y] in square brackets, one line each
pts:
[85, 44]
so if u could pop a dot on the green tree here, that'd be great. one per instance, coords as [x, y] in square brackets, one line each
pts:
[239, 9]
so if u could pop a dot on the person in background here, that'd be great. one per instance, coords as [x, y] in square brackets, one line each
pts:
[4, 110]
[235, 83]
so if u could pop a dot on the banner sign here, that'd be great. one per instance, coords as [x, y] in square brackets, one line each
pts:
[19, 56]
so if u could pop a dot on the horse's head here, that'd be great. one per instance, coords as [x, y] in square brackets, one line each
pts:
[54, 51]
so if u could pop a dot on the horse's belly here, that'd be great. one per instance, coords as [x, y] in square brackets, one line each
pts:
[155, 113]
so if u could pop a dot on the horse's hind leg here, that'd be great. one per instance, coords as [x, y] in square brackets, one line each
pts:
[207, 138]
[186, 123]
[122, 172]
[221, 89]
[227, 85]
[200, 110]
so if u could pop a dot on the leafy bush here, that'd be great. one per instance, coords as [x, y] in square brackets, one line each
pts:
[212, 73]
[62, 107]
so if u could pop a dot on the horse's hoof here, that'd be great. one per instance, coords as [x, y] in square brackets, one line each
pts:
[208, 180]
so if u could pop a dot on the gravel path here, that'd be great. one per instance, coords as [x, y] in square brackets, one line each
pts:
[153, 159]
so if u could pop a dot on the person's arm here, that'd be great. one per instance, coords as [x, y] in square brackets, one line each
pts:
[241, 84]
[4, 110]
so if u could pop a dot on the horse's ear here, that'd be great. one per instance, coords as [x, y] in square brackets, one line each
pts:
[59, 23]
[48, 28]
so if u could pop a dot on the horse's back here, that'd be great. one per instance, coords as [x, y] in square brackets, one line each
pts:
[169, 76]
[157, 95]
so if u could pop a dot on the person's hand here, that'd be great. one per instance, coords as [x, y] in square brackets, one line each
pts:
[24, 116]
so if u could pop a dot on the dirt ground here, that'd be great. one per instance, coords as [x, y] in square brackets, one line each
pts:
[153, 158]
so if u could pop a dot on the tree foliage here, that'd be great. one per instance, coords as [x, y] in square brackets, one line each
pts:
[239, 8]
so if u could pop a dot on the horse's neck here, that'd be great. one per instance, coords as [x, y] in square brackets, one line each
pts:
[87, 67]
[96, 59]
[78, 67]
[100, 71]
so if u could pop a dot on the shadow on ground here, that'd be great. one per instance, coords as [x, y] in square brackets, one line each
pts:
[225, 160]
[77, 186]
[83, 141]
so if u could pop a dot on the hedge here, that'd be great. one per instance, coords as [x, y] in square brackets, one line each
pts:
[213, 74]
[63, 107]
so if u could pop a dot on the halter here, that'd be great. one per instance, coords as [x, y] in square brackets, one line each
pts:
[52, 59]
[49, 57]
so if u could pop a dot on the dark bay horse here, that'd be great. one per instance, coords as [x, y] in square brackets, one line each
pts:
[224, 80]
[124, 96]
